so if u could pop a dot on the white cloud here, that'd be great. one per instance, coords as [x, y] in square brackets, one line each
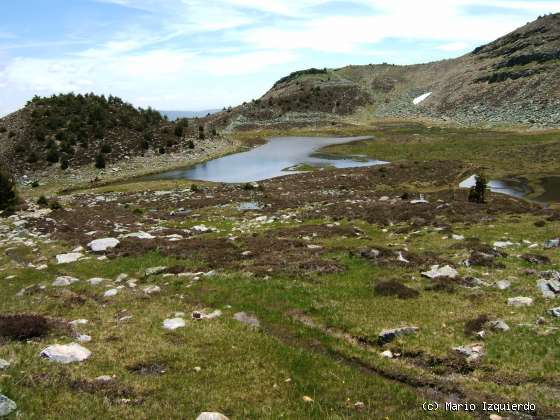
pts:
[182, 53]
[454, 46]
[248, 63]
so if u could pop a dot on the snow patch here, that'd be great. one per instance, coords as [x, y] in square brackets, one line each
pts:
[421, 98]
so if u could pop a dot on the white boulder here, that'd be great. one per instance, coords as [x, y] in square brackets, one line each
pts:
[62, 281]
[437, 271]
[103, 244]
[66, 353]
[174, 323]
[6, 406]
[211, 416]
[68, 258]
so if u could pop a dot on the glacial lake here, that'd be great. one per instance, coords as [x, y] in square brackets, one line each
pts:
[277, 157]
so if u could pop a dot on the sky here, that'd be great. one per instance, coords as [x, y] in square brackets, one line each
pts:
[207, 54]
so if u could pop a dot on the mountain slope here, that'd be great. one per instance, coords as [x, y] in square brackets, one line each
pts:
[513, 80]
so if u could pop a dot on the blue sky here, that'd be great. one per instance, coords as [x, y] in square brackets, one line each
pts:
[202, 54]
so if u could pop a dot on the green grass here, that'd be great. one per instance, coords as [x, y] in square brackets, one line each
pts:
[497, 153]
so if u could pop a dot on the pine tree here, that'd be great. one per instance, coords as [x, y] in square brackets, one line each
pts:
[477, 193]
[8, 193]
[100, 161]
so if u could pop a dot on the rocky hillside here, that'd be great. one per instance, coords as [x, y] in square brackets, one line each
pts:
[75, 130]
[513, 80]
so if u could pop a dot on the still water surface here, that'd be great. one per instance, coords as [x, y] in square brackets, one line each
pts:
[270, 160]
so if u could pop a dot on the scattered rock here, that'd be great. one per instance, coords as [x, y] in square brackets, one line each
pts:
[6, 406]
[247, 319]
[437, 271]
[552, 243]
[388, 354]
[520, 301]
[139, 235]
[201, 229]
[154, 271]
[77, 322]
[100, 245]
[555, 312]
[536, 259]
[549, 288]
[483, 259]
[359, 405]
[472, 352]
[104, 379]
[83, 338]
[307, 399]
[211, 416]
[203, 315]
[65, 281]
[386, 336]
[121, 277]
[4, 364]
[66, 353]
[68, 258]
[503, 284]
[474, 282]
[503, 244]
[150, 290]
[95, 281]
[111, 293]
[174, 323]
[498, 325]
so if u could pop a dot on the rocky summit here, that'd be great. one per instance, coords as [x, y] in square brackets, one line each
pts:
[513, 80]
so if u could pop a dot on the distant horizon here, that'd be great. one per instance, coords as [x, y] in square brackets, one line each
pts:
[212, 54]
[195, 112]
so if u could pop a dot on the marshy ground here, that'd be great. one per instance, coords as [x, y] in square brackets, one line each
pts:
[321, 263]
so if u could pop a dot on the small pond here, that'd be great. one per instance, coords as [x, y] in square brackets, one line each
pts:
[519, 187]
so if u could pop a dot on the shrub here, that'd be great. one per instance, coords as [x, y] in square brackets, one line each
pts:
[3, 129]
[477, 194]
[106, 148]
[42, 201]
[11, 134]
[100, 162]
[395, 288]
[52, 155]
[32, 158]
[161, 150]
[475, 325]
[55, 205]
[179, 130]
[8, 193]
[23, 327]
[190, 144]
[35, 184]
[64, 164]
